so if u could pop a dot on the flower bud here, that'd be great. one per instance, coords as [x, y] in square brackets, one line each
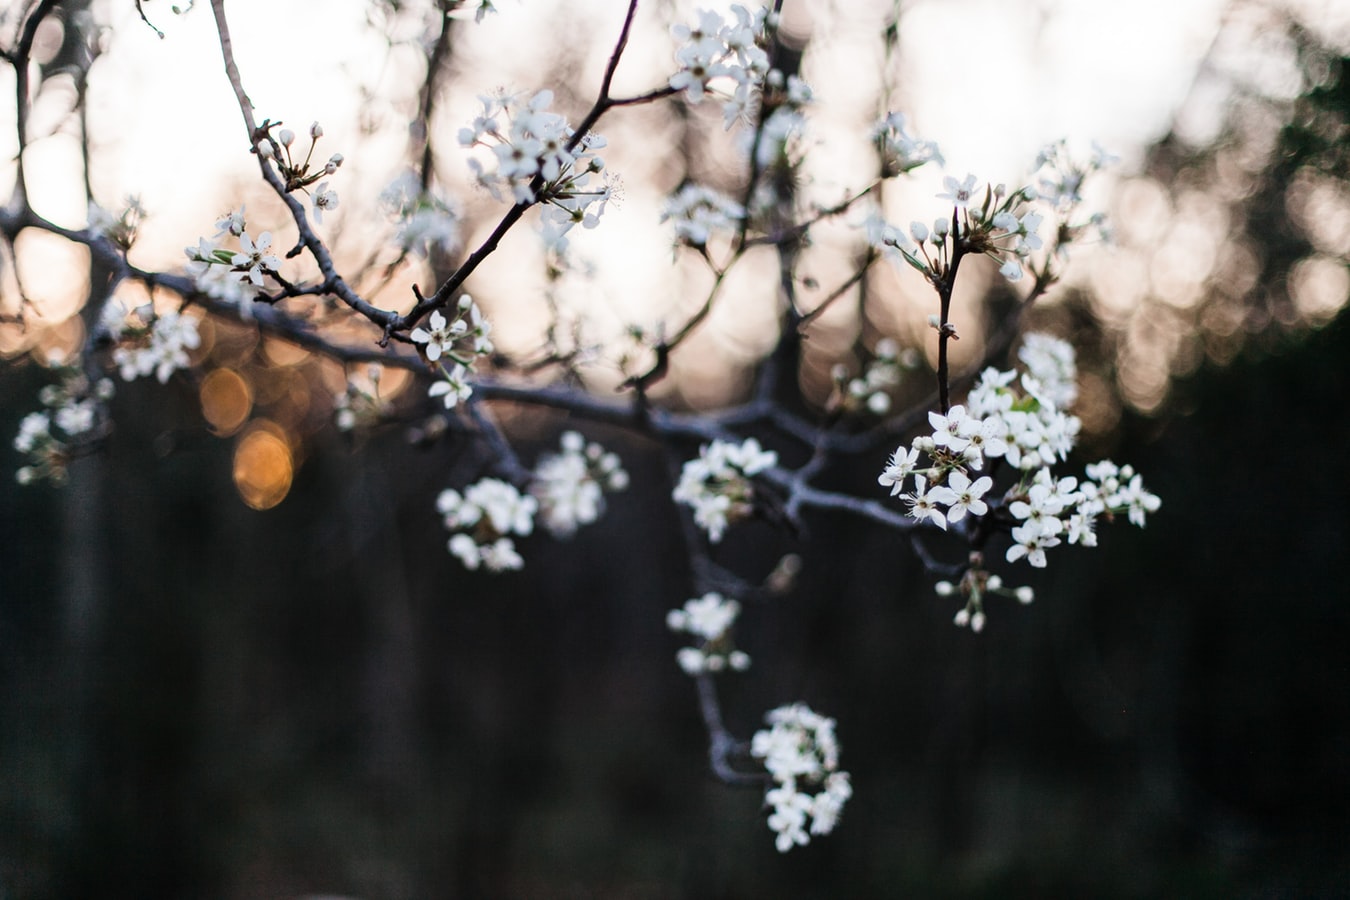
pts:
[266, 149]
[316, 131]
[286, 136]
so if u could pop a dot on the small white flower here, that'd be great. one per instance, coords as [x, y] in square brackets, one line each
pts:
[901, 464]
[324, 200]
[958, 192]
[254, 258]
[967, 495]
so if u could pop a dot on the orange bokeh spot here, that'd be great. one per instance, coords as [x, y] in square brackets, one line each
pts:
[226, 400]
[263, 466]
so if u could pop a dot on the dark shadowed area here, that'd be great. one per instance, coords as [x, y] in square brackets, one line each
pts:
[201, 700]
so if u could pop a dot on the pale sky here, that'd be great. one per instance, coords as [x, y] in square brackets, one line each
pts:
[991, 81]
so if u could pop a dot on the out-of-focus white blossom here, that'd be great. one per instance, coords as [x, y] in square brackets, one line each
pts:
[570, 486]
[801, 753]
[482, 520]
[717, 484]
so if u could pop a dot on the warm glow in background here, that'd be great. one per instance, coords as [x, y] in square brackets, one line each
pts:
[991, 80]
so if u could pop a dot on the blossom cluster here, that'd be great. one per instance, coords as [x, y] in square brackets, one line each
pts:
[75, 408]
[802, 755]
[451, 346]
[717, 485]
[708, 619]
[570, 486]
[532, 161]
[1027, 430]
[483, 518]
[232, 275]
[148, 342]
[1001, 225]
[986, 219]
[295, 171]
[716, 50]
[871, 390]
[697, 212]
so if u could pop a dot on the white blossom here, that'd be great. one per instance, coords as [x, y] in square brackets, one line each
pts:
[801, 753]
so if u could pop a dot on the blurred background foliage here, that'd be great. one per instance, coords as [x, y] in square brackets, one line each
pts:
[202, 700]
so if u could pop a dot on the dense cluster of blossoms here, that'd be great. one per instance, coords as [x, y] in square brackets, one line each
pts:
[717, 485]
[532, 161]
[708, 619]
[451, 346]
[232, 275]
[147, 342]
[1028, 430]
[570, 486]
[716, 52]
[75, 409]
[802, 755]
[482, 519]
[697, 212]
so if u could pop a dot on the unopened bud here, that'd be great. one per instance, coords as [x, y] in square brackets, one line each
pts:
[286, 136]
[316, 131]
